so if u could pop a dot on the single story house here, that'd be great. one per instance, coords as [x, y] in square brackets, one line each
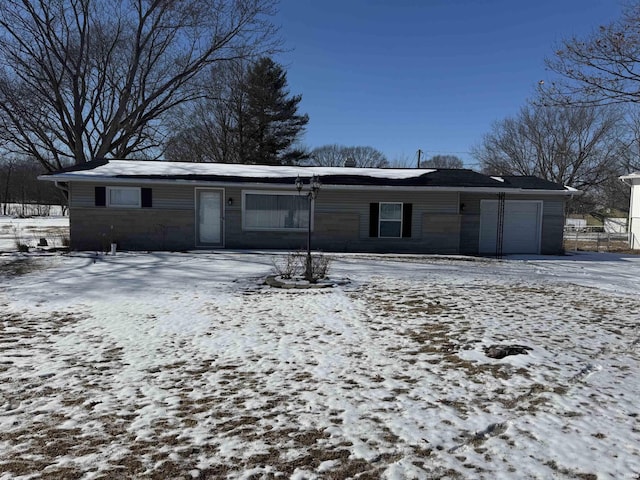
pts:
[153, 205]
[633, 180]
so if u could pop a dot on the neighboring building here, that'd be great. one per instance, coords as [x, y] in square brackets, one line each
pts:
[615, 225]
[575, 224]
[634, 209]
[181, 206]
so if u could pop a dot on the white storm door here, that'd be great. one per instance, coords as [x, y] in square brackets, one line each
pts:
[209, 204]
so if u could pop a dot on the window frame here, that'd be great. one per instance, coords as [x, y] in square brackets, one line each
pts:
[112, 205]
[399, 221]
[276, 229]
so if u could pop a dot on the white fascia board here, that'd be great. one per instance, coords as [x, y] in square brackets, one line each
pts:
[198, 183]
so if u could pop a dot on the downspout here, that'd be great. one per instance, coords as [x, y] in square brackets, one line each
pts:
[62, 186]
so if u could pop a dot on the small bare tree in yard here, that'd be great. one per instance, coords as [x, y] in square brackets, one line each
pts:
[84, 79]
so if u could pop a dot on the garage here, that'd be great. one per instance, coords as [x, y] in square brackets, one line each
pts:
[521, 226]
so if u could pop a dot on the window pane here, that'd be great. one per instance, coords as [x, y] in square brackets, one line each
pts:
[267, 211]
[129, 197]
[390, 211]
[390, 229]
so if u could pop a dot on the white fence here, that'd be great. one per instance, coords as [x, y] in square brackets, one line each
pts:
[25, 210]
[596, 240]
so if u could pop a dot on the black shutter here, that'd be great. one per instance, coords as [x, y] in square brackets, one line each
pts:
[374, 215]
[146, 198]
[100, 198]
[406, 220]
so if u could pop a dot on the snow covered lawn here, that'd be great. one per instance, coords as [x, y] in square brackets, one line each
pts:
[28, 231]
[185, 366]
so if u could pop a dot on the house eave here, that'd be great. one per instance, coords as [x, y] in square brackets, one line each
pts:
[629, 179]
[62, 177]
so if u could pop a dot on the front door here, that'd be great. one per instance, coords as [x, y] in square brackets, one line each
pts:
[209, 217]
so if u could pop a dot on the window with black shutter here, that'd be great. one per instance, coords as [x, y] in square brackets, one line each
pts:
[100, 197]
[390, 219]
[374, 211]
[407, 211]
[146, 198]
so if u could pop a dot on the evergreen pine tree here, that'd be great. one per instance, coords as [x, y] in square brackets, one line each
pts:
[271, 121]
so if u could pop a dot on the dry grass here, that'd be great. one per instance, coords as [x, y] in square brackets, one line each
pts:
[214, 397]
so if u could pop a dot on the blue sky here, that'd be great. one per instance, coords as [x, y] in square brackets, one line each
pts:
[433, 74]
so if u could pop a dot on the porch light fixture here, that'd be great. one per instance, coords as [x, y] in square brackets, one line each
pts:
[230, 201]
[314, 188]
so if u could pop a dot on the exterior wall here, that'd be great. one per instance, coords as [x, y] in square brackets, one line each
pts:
[168, 225]
[634, 215]
[341, 221]
[552, 222]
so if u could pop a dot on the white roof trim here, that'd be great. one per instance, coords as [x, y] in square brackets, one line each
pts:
[631, 176]
[280, 186]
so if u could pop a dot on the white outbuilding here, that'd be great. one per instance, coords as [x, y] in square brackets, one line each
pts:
[633, 180]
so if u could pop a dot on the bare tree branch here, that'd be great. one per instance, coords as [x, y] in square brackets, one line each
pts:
[603, 68]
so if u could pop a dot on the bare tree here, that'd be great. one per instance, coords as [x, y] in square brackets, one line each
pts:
[600, 69]
[84, 79]
[211, 128]
[443, 161]
[328, 156]
[576, 146]
[336, 155]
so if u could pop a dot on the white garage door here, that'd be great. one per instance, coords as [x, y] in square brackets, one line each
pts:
[522, 226]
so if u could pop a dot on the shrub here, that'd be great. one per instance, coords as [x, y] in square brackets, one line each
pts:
[289, 267]
[18, 241]
[294, 265]
[22, 247]
[319, 266]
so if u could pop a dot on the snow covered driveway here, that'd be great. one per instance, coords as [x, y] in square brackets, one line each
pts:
[184, 366]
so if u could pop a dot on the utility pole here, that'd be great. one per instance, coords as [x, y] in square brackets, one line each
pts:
[419, 153]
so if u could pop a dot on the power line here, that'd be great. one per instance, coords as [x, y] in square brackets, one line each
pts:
[445, 152]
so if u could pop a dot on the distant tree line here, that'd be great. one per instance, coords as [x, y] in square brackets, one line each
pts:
[340, 155]
[19, 185]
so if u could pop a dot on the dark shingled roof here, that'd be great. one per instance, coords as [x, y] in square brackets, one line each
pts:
[443, 177]
[530, 182]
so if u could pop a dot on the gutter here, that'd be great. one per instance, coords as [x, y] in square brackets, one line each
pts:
[571, 192]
